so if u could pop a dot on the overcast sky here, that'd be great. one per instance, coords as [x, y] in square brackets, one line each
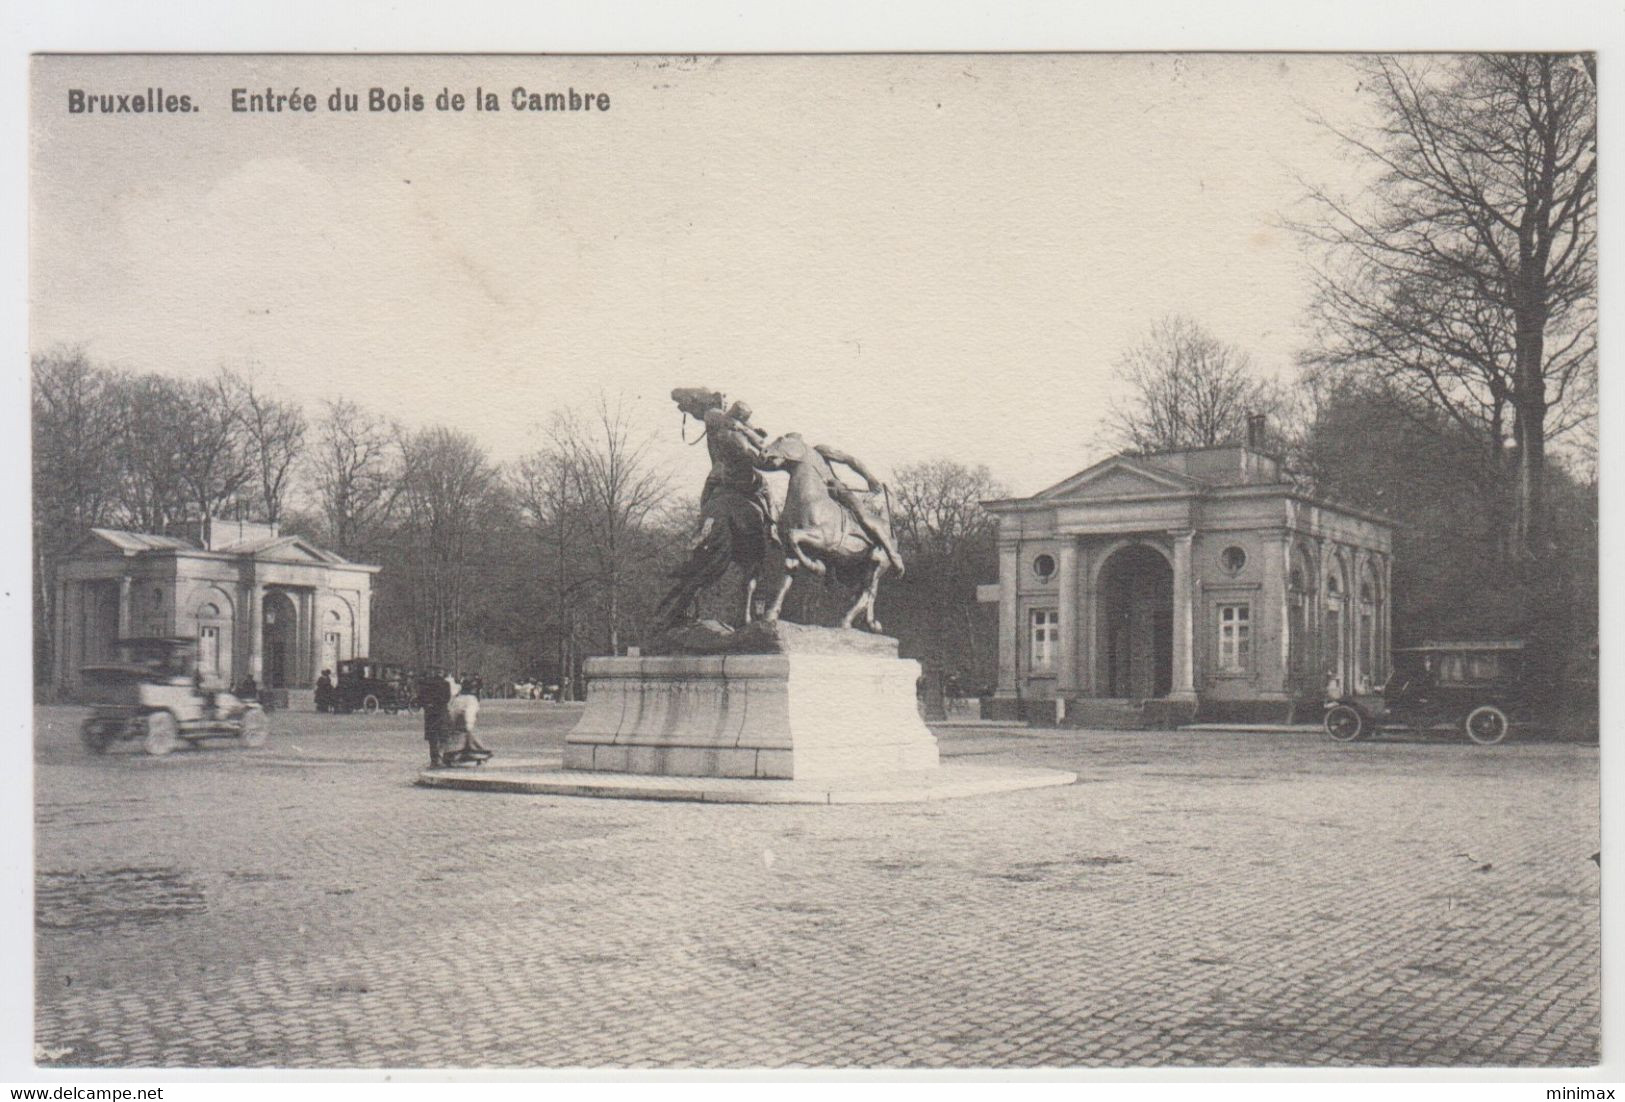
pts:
[908, 257]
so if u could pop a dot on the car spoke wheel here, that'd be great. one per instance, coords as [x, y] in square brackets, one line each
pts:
[370, 705]
[162, 734]
[94, 740]
[1344, 724]
[255, 728]
[1487, 725]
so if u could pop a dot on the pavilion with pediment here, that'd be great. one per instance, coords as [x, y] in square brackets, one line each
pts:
[275, 608]
[1153, 589]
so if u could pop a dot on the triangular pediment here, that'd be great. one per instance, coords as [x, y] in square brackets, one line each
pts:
[117, 542]
[286, 549]
[1118, 477]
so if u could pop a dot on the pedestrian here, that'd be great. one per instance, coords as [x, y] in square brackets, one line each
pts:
[324, 692]
[434, 693]
[464, 714]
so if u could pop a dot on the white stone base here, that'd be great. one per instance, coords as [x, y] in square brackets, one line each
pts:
[802, 717]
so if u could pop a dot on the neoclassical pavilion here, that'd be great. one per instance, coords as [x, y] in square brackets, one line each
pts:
[1185, 583]
[274, 607]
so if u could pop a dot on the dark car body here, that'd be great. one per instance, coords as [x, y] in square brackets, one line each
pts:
[1476, 688]
[364, 685]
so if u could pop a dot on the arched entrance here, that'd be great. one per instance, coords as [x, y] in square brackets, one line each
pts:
[280, 618]
[1137, 605]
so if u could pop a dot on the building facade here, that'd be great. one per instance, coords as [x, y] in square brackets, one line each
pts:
[261, 605]
[1184, 584]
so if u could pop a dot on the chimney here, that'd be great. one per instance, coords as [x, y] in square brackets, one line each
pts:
[1255, 431]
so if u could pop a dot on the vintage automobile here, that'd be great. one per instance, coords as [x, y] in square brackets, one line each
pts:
[366, 686]
[1475, 688]
[152, 694]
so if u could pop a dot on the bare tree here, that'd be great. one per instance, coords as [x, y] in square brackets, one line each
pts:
[75, 459]
[217, 464]
[947, 539]
[545, 486]
[275, 437]
[152, 417]
[1466, 275]
[75, 469]
[448, 486]
[352, 469]
[1187, 389]
[617, 489]
[938, 505]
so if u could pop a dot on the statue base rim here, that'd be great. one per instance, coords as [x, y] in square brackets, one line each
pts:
[946, 782]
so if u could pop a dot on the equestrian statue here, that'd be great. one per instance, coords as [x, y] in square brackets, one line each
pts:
[825, 527]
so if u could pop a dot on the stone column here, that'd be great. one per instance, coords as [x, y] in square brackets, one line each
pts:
[60, 651]
[1184, 618]
[1269, 672]
[124, 606]
[1325, 646]
[1385, 640]
[1086, 635]
[1009, 625]
[1284, 599]
[74, 638]
[253, 613]
[1066, 674]
[313, 650]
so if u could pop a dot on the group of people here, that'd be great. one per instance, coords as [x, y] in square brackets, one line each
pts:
[451, 706]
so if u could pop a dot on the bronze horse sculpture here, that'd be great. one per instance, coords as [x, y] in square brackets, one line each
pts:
[825, 526]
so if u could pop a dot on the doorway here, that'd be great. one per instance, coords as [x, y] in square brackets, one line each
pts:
[1137, 591]
[281, 621]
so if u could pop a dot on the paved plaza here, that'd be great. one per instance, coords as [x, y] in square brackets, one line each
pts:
[1195, 899]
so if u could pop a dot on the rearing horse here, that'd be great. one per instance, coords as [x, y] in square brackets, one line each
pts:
[823, 524]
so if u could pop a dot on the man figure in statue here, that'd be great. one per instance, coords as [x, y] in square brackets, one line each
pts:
[859, 507]
[736, 513]
[734, 445]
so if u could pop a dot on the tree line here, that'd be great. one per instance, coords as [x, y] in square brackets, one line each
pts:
[519, 570]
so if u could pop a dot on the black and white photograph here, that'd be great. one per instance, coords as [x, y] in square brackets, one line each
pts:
[1048, 561]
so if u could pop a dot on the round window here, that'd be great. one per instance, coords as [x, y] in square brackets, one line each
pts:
[1044, 567]
[1232, 559]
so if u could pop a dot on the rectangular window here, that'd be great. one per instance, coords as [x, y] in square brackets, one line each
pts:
[1046, 635]
[208, 651]
[1235, 638]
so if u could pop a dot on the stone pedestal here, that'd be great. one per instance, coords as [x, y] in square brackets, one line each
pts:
[825, 704]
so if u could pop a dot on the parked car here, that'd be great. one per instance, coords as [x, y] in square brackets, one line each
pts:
[153, 693]
[1476, 688]
[363, 685]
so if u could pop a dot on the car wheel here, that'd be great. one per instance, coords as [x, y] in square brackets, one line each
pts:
[255, 729]
[1344, 724]
[95, 741]
[1486, 725]
[162, 734]
[369, 704]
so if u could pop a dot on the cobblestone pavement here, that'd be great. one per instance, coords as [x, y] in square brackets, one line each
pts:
[1196, 899]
